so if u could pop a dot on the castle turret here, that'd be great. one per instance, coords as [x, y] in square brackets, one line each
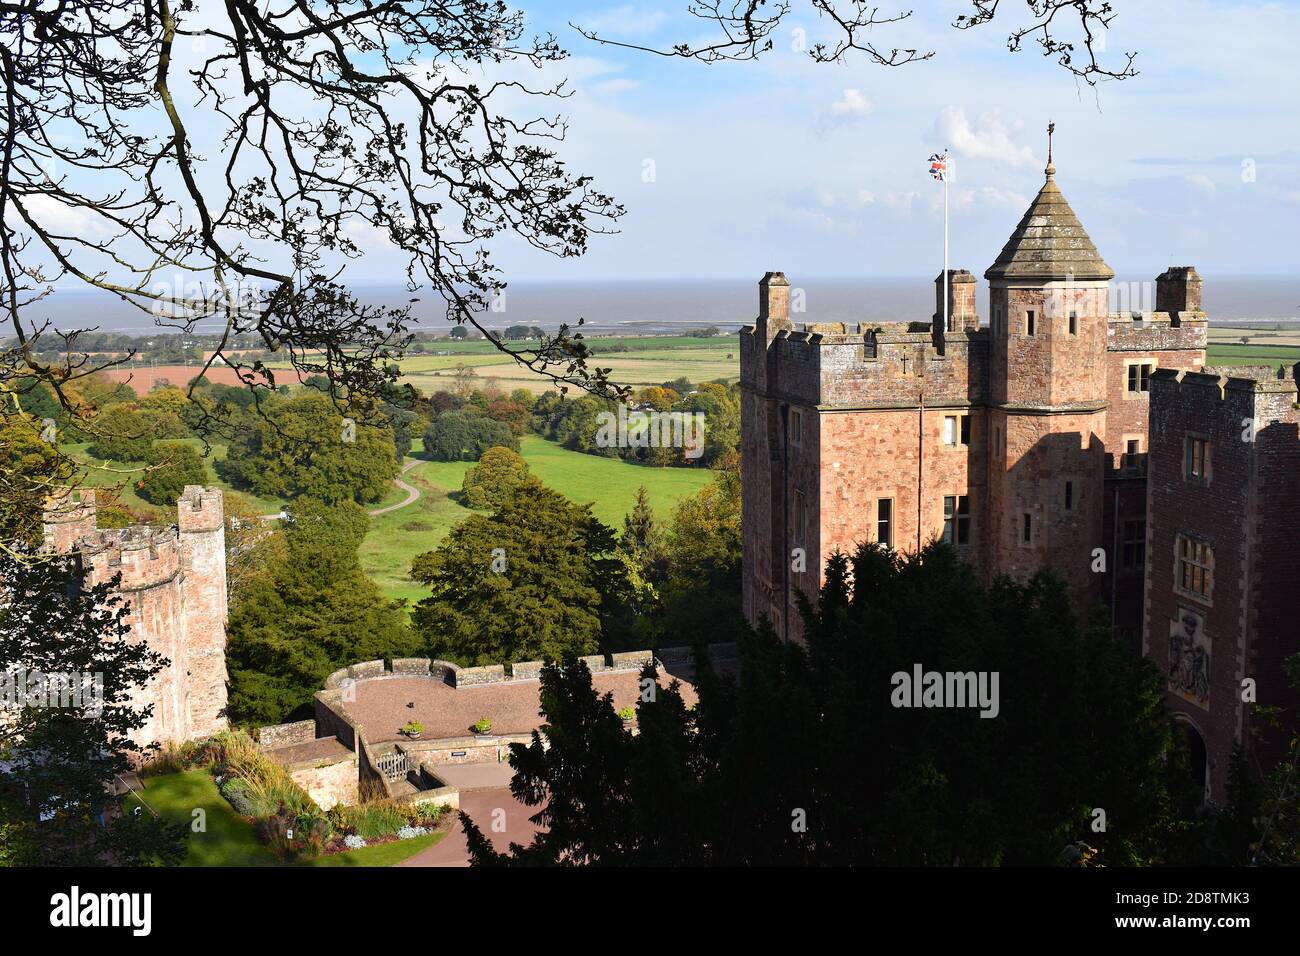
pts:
[1049, 303]
[200, 518]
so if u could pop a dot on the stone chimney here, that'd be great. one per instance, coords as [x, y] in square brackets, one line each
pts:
[961, 301]
[773, 305]
[1178, 289]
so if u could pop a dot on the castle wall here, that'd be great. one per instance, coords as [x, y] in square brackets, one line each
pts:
[1157, 341]
[1035, 457]
[1246, 512]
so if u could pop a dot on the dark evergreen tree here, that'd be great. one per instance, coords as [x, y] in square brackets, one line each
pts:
[805, 757]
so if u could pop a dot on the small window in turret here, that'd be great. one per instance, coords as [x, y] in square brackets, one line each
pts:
[1074, 323]
[1029, 322]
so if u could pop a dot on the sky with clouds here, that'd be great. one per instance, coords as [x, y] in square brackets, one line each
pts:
[820, 170]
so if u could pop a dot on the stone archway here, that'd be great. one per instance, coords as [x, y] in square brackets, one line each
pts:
[1197, 756]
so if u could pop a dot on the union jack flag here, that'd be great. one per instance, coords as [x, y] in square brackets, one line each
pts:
[939, 166]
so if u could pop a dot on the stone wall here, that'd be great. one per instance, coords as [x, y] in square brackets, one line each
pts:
[1246, 510]
[281, 735]
[329, 783]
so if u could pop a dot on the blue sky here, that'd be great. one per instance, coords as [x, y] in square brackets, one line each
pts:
[819, 170]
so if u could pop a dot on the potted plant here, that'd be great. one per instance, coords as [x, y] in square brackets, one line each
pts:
[628, 714]
[413, 729]
[483, 725]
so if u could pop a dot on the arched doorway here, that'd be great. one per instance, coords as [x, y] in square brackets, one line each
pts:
[1197, 757]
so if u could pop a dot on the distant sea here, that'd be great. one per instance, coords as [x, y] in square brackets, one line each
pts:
[640, 307]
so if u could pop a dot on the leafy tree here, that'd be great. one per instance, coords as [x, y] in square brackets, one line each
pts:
[459, 332]
[173, 465]
[497, 476]
[121, 433]
[304, 447]
[695, 569]
[465, 436]
[536, 578]
[312, 612]
[786, 740]
[29, 468]
[59, 760]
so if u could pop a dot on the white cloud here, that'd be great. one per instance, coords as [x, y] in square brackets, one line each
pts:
[1202, 182]
[990, 137]
[853, 105]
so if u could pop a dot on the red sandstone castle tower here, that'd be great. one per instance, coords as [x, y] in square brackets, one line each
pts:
[1022, 442]
[173, 583]
[1060, 435]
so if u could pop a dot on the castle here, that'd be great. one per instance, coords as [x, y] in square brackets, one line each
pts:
[173, 584]
[1059, 435]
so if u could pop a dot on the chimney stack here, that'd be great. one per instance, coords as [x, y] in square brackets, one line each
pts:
[961, 301]
[1178, 289]
[773, 304]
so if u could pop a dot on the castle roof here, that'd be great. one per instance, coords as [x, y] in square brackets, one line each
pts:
[1050, 243]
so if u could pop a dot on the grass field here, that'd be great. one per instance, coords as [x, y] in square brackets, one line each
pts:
[610, 485]
[228, 839]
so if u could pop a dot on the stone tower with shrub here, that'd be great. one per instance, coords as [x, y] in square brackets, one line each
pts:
[172, 582]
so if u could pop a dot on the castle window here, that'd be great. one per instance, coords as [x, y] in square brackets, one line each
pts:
[997, 441]
[798, 517]
[885, 522]
[1074, 323]
[1029, 322]
[1196, 459]
[1133, 546]
[1026, 528]
[1139, 378]
[956, 519]
[956, 430]
[1195, 567]
[1069, 496]
[796, 427]
[1132, 462]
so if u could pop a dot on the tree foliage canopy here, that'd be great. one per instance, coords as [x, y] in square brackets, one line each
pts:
[536, 578]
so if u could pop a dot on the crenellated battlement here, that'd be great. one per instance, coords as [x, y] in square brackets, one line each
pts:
[1156, 331]
[200, 509]
[1222, 381]
[145, 557]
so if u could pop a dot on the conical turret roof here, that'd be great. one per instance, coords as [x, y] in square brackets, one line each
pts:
[1050, 243]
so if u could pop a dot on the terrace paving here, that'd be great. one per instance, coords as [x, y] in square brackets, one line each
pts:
[382, 707]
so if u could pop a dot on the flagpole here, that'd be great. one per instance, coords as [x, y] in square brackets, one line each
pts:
[946, 174]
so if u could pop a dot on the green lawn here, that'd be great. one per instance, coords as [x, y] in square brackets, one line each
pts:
[228, 839]
[609, 484]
